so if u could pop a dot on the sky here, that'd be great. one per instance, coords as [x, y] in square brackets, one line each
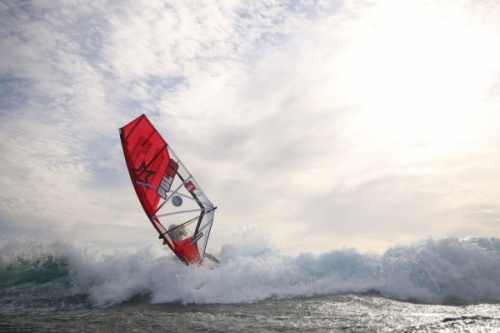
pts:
[317, 124]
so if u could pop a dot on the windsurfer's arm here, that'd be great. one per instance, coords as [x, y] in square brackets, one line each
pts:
[211, 257]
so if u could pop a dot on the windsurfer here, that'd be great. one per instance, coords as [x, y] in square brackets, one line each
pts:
[177, 232]
[184, 247]
[154, 168]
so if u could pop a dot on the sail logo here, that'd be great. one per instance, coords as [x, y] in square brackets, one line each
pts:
[177, 201]
[164, 187]
[167, 179]
[143, 173]
[190, 186]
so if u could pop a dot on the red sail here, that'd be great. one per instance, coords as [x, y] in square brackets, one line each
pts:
[167, 191]
[147, 158]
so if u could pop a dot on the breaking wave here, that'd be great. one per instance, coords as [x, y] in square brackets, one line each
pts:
[56, 275]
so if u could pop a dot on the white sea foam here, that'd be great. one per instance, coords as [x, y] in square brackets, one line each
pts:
[434, 271]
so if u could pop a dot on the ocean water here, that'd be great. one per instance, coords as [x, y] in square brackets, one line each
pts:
[445, 285]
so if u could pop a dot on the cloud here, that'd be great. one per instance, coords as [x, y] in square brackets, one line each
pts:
[344, 121]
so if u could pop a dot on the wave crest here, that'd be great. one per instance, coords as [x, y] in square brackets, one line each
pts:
[432, 271]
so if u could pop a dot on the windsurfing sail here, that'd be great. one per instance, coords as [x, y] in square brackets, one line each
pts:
[173, 200]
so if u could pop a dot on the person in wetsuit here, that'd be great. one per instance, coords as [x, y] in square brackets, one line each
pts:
[184, 248]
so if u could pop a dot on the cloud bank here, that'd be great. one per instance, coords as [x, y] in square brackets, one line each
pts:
[325, 124]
